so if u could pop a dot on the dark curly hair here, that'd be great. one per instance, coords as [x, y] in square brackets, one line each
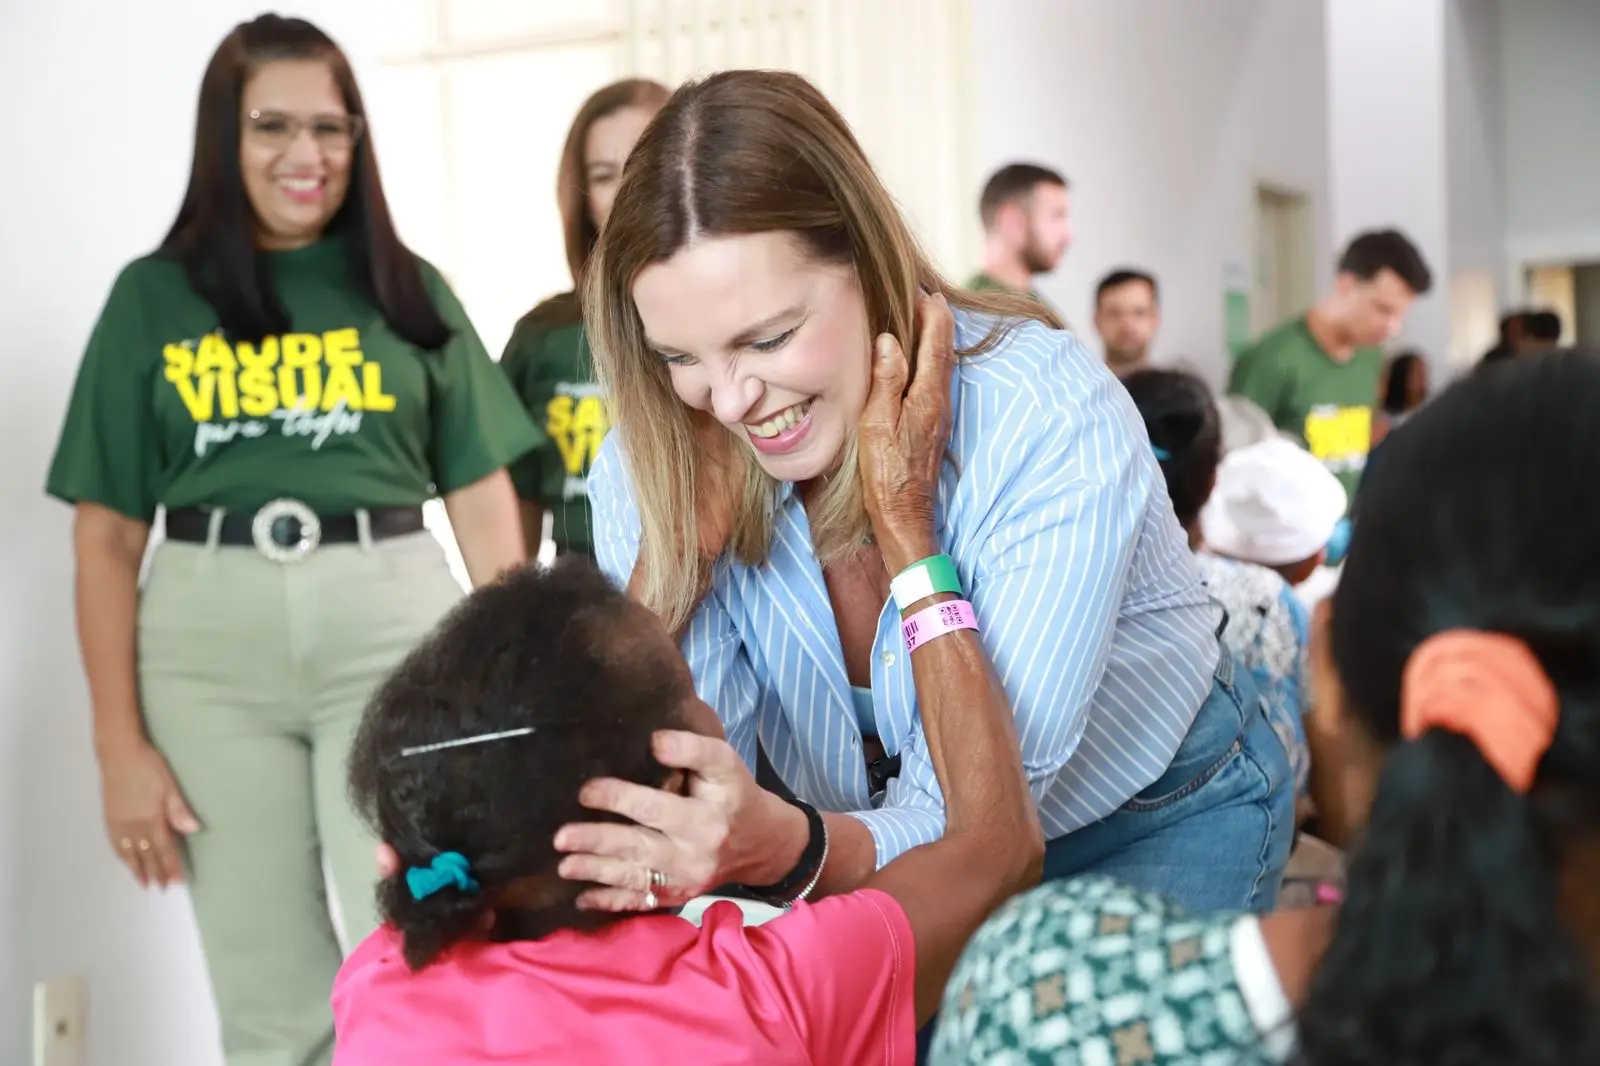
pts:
[561, 651]
[1186, 432]
[1450, 948]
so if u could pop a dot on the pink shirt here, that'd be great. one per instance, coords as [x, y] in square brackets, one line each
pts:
[830, 983]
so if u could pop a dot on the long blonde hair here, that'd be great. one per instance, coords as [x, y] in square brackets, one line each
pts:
[746, 151]
[572, 183]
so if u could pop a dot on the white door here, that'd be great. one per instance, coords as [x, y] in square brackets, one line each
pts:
[1284, 267]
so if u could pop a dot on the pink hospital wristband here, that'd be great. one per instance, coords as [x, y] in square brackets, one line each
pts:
[933, 622]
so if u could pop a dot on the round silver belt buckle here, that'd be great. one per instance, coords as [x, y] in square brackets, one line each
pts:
[267, 531]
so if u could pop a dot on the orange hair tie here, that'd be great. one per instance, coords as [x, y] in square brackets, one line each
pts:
[1489, 688]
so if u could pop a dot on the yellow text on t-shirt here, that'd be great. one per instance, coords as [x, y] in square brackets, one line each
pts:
[576, 420]
[294, 372]
[1339, 436]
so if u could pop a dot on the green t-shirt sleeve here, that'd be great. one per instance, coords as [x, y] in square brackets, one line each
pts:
[1258, 376]
[520, 363]
[479, 424]
[109, 452]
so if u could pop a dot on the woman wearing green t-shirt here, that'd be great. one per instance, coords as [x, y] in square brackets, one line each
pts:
[548, 357]
[290, 384]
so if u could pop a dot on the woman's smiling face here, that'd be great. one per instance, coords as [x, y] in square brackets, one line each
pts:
[773, 343]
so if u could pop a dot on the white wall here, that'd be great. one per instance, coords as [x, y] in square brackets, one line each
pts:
[1475, 180]
[1163, 114]
[1552, 115]
[1386, 127]
[101, 101]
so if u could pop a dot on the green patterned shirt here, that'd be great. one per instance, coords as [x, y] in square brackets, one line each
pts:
[1087, 971]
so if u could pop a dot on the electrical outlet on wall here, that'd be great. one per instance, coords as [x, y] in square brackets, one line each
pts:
[60, 1013]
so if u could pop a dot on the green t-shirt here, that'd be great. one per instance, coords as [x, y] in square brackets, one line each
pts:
[1326, 404]
[548, 363]
[981, 282]
[339, 413]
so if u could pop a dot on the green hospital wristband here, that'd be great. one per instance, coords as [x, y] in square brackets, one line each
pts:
[929, 577]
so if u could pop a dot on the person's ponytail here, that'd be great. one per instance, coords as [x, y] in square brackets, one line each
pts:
[1449, 948]
[429, 927]
[1185, 433]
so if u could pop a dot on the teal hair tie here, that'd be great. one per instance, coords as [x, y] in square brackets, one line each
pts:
[448, 868]
[1162, 455]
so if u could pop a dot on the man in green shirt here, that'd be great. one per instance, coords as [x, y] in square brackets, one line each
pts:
[1026, 226]
[1317, 375]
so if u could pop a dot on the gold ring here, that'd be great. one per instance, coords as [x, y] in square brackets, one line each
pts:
[126, 844]
[144, 845]
[658, 879]
[650, 901]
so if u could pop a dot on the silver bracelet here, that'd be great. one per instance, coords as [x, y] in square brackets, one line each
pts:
[822, 864]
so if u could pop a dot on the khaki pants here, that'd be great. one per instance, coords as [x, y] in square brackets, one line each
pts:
[253, 677]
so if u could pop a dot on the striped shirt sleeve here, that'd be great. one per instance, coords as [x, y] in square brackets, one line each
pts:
[1047, 584]
[711, 645]
[616, 517]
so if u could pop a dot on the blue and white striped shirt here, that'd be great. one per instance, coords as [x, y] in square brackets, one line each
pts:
[1090, 603]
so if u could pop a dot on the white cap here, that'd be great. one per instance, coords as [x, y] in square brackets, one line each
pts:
[1273, 504]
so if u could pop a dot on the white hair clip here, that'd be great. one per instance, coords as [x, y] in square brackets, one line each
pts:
[483, 738]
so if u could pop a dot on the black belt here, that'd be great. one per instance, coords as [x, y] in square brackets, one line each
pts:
[290, 526]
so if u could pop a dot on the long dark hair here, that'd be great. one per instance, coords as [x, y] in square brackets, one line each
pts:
[1397, 381]
[214, 234]
[1185, 431]
[1450, 947]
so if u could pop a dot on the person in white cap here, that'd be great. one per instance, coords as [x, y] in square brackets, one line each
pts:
[1276, 506]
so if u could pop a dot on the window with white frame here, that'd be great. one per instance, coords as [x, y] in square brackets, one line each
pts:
[471, 101]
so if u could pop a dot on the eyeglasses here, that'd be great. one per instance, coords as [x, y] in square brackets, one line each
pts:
[334, 133]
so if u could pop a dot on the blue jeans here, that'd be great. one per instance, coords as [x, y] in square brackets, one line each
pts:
[1213, 832]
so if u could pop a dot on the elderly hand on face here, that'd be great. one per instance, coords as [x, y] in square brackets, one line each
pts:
[722, 828]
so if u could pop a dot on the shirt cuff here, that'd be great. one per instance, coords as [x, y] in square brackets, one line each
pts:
[1260, 989]
[896, 830]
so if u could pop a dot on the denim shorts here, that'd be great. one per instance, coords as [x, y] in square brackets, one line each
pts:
[1214, 831]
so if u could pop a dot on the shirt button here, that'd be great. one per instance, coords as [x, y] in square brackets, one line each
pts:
[887, 658]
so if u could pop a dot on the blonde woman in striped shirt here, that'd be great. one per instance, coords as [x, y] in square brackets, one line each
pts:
[751, 258]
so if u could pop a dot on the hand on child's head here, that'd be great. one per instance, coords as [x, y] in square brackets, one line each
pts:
[388, 861]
